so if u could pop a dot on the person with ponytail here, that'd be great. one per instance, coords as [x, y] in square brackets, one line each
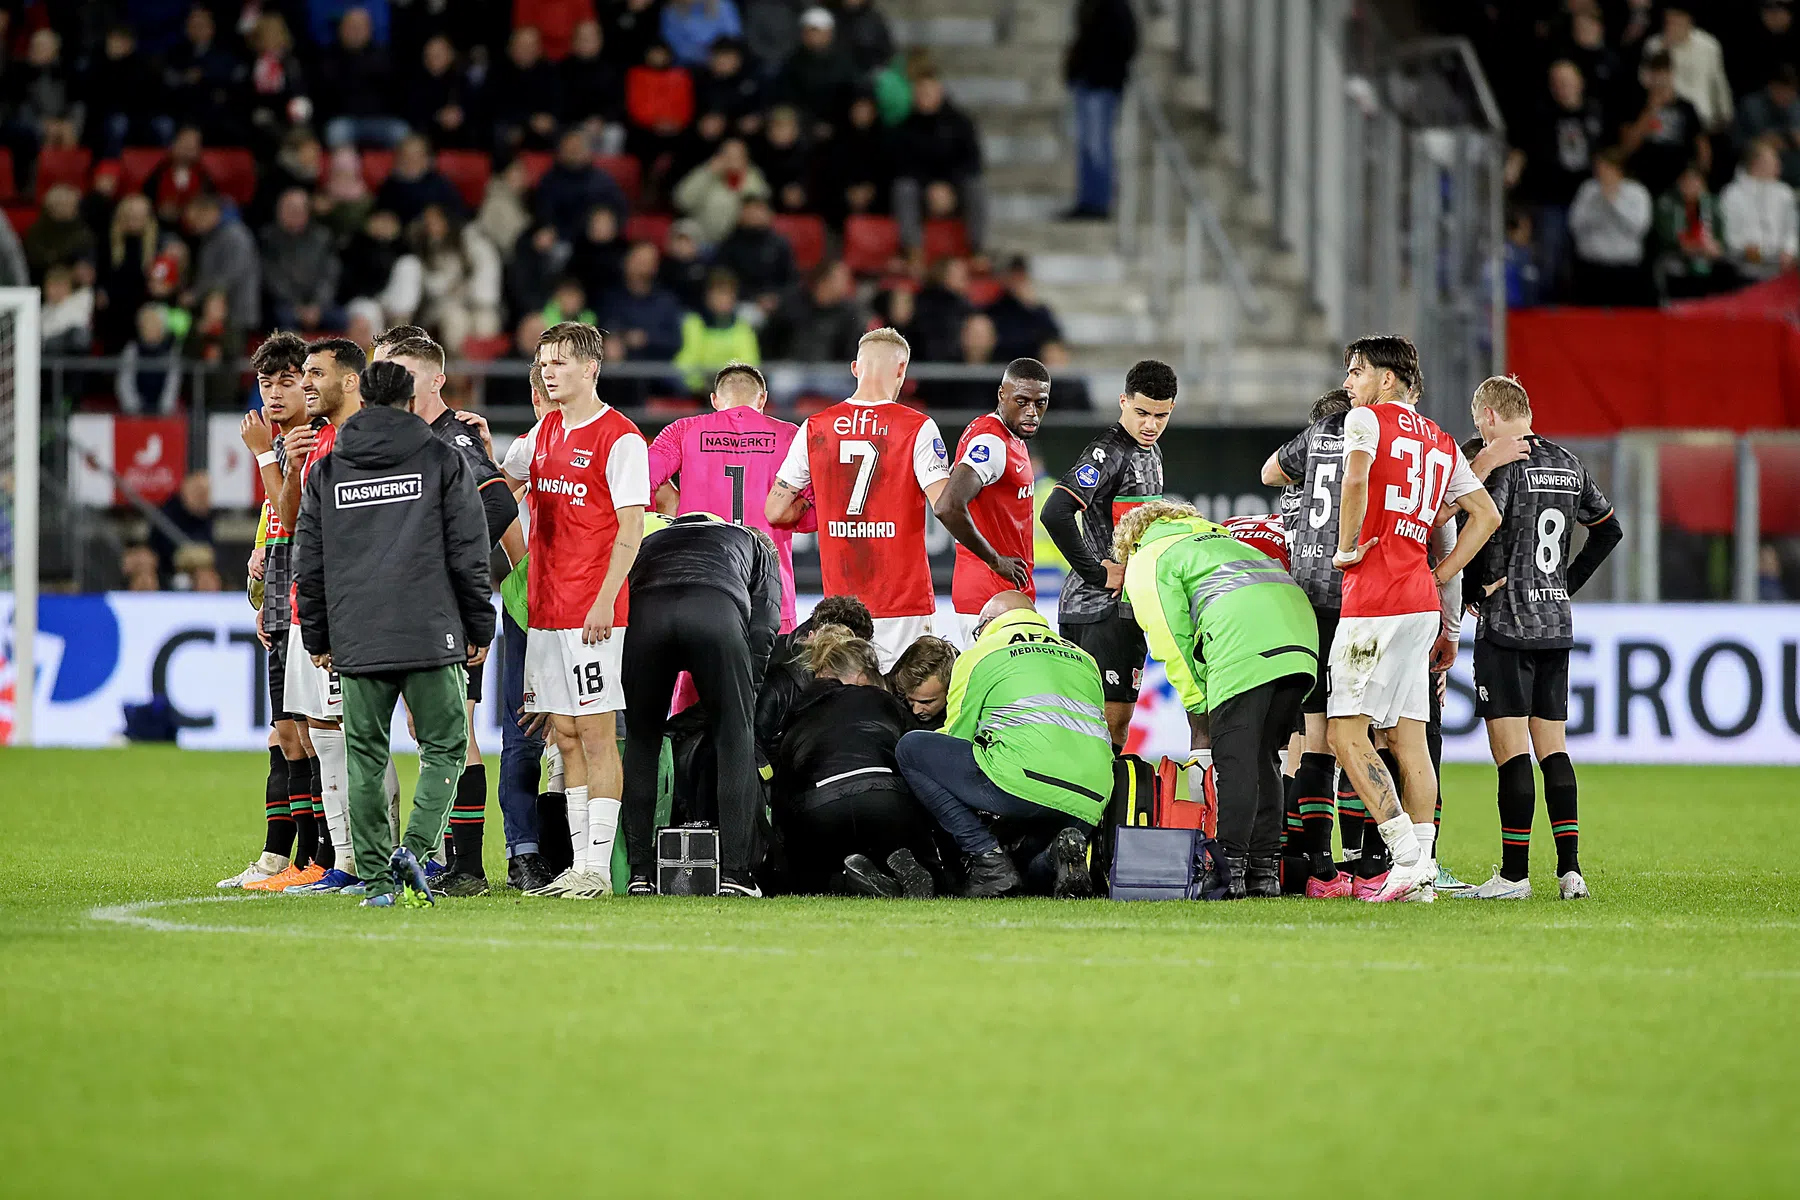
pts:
[1240, 644]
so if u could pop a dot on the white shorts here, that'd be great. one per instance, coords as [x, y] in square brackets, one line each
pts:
[894, 634]
[571, 679]
[965, 629]
[311, 691]
[1380, 668]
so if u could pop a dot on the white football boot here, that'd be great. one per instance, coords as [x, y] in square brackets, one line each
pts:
[267, 866]
[1572, 886]
[1499, 888]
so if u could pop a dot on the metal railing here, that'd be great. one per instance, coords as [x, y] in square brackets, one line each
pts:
[1177, 234]
[1167, 222]
[1377, 164]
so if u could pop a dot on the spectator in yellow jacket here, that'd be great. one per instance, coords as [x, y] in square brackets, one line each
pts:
[715, 336]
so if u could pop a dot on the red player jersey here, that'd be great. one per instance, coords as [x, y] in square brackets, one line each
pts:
[1417, 469]
[1266, 533]
[1002, 510]
[324, 438]
[868, 465]
[580, 475]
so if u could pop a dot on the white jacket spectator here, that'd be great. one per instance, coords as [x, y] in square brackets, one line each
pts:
[1762, 226]
[1610, 217]
[459, 279]
[67, 320]
[1699, 63]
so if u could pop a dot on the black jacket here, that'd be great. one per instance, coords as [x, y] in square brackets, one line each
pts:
[497, 503]
[1106, 39]
[839, 741]
[699, 550]
[391, 550]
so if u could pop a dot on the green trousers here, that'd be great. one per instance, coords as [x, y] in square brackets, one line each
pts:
[435, 698]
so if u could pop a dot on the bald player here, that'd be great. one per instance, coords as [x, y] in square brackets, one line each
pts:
[873, 466]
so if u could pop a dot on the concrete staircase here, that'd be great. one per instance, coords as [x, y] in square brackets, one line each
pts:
[1002, 62]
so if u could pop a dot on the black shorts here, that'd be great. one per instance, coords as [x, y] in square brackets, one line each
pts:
[1118, 645]
[1521, 683]
[277, 657]
[1315, 699]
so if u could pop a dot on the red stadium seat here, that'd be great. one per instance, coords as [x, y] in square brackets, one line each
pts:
[8, 186]
[486, 349]
[984, 290]
[233, 172]
[63, 166]
[536, 163]
[468, 170]
[672, 406]
[625, 172]
[945, 238]
[376, 166]
[806, 235]
[135, 165]
[869, 242]
[21, 217]
[648, 227]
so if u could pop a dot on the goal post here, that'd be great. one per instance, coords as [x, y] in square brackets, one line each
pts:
[20, 451]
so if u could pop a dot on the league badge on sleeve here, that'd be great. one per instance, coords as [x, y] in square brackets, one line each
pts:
[978, 453]
[1088, 476]
[937, 448]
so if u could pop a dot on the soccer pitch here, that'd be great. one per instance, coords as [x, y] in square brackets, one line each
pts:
[162, 1038]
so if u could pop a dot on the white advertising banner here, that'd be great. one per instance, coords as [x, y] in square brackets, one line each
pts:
[1648, 683]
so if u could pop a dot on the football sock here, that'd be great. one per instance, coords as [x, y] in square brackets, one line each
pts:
[468, 816]
[303, 791]
[1427, 835]
[1401, 839]
[553, 832]
[279, 839]
[575, 802]
[1350, 817]
[333, 771]
[390, 780]
[1292, 837]
[1559, 804]
[1518, 797]
[1317, 812]
[603, 828]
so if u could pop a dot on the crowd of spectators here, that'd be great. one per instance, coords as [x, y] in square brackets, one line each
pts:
[1655, 146]
[654, 166]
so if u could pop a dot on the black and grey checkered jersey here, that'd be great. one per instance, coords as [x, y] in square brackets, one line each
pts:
[1315, 457]
[1288, 506]
[1540, 499]
[1112, 476]
[278, 567]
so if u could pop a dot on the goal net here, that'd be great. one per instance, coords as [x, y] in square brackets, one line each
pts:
[20, 457]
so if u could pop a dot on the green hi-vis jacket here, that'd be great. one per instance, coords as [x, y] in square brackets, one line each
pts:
[1032, 705]
[1222, 617]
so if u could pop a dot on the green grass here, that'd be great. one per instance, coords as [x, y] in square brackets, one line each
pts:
[1639, 1043]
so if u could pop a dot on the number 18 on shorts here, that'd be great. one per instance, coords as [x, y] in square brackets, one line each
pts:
[567, 677]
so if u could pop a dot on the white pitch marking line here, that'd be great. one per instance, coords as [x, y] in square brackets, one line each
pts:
[133, 916]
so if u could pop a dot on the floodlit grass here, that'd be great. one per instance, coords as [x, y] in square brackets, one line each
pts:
[161, 1038]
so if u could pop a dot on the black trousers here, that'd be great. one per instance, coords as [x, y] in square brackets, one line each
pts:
[1247, 731]
[697, 630]
[877, 822]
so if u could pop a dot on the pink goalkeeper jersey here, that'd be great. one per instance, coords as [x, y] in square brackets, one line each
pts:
[727, 461]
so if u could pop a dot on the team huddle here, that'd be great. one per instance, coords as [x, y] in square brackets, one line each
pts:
[866, 751]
